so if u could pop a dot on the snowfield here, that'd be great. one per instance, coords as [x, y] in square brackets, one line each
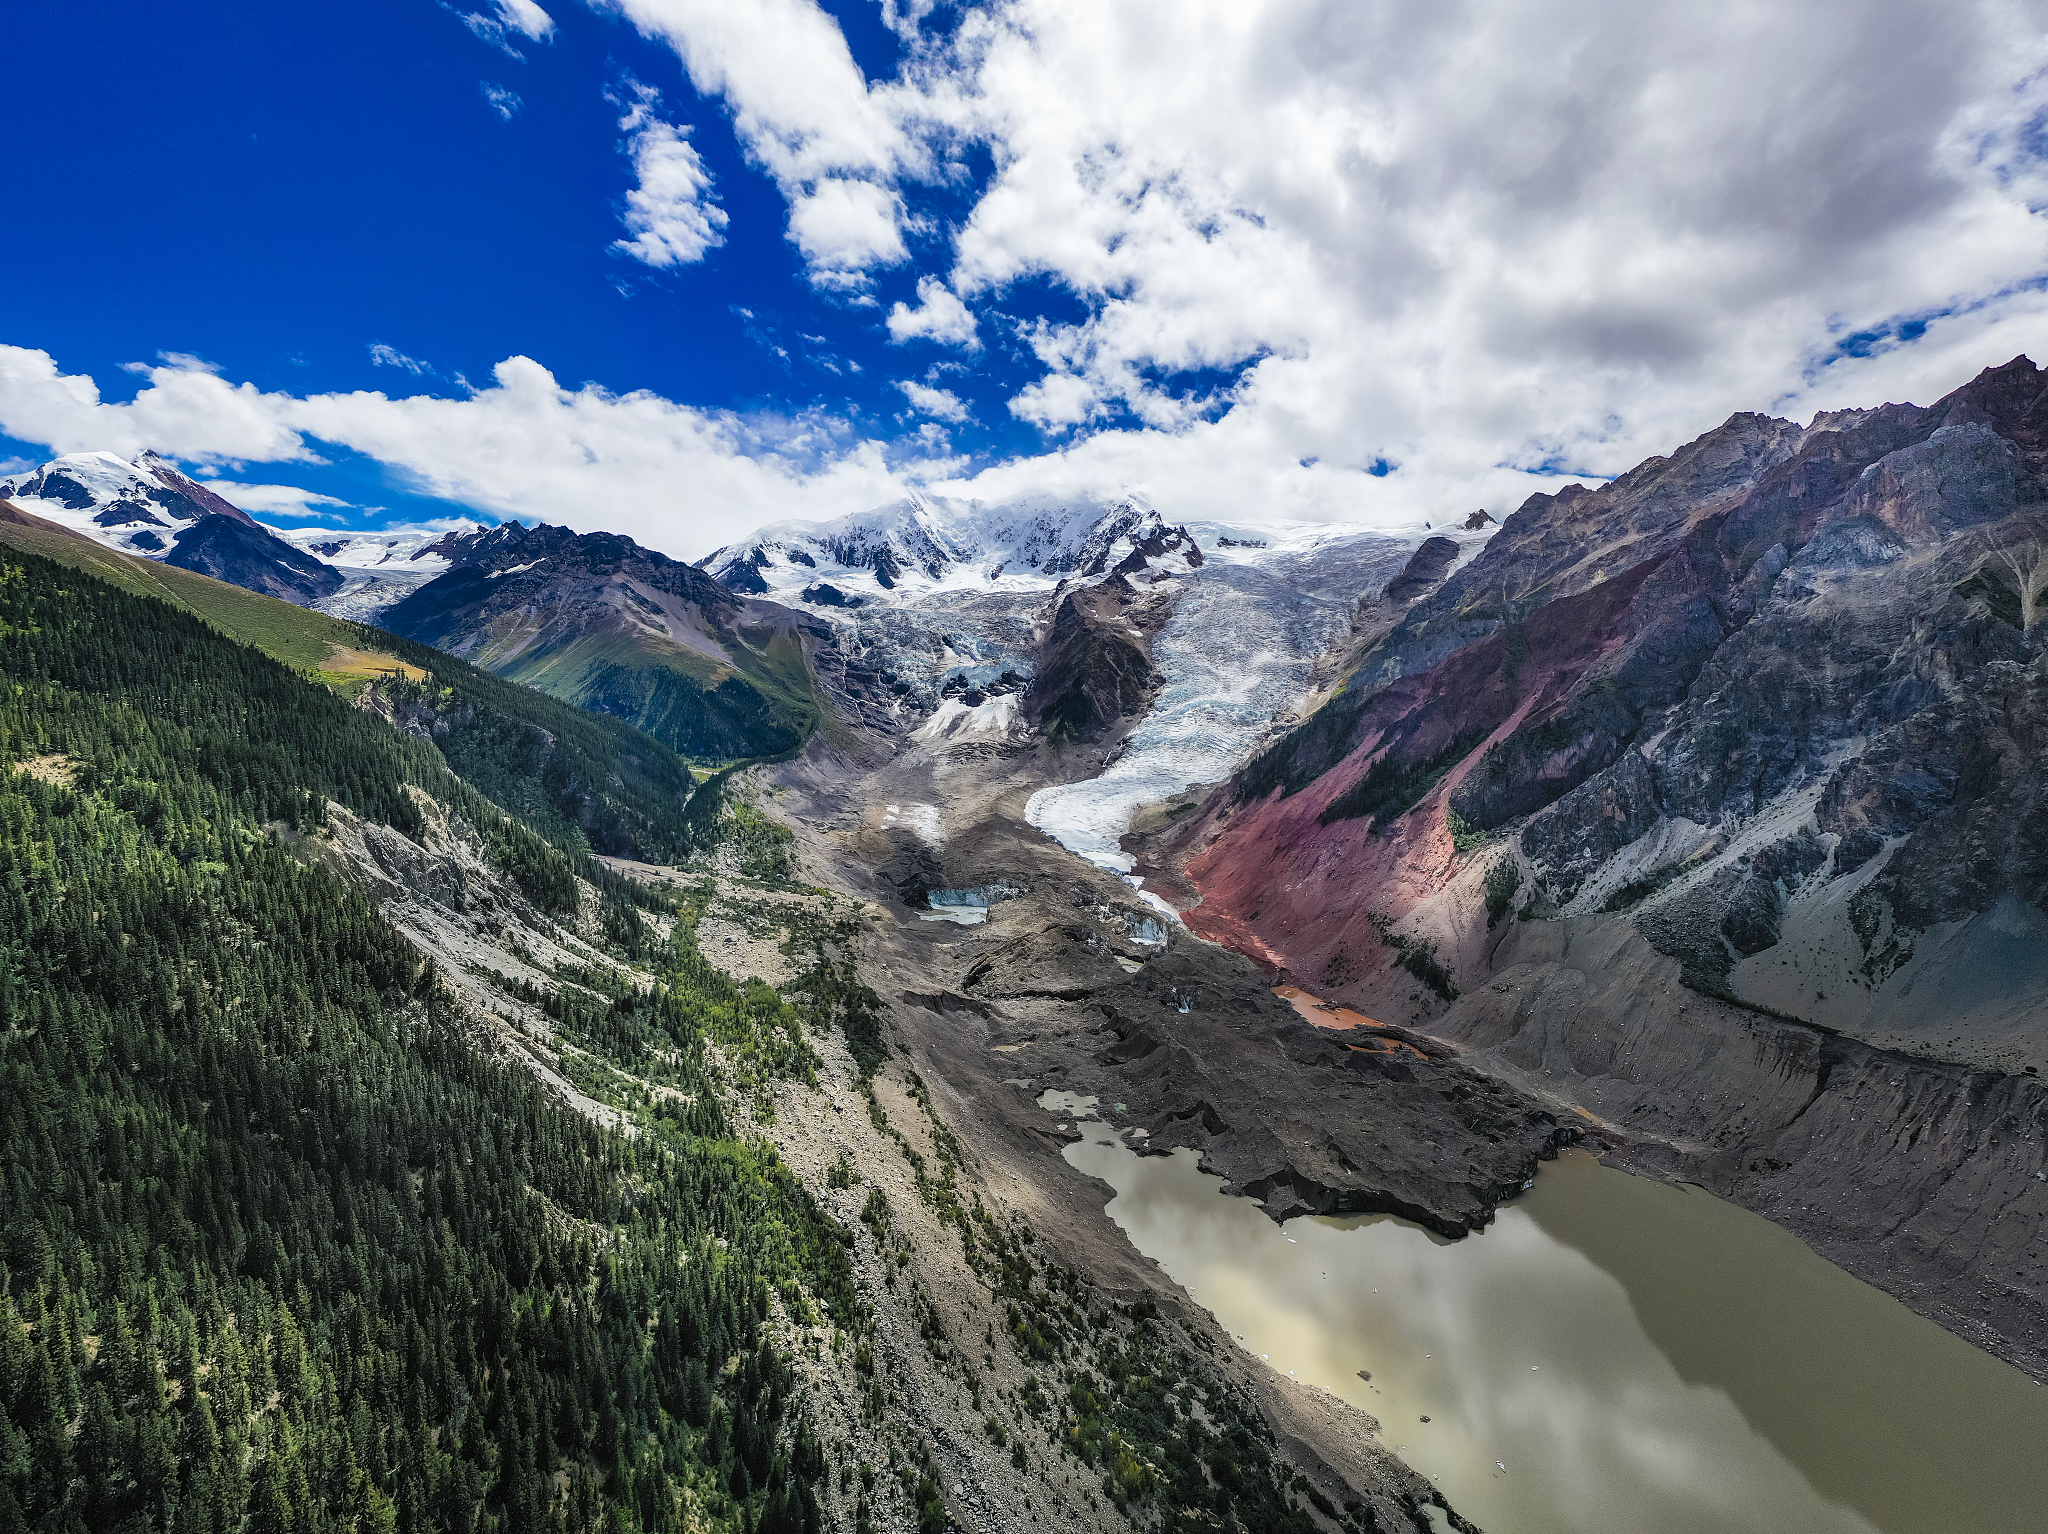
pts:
[398, 549]
[995, 719]
[379, 569]
[922, 820]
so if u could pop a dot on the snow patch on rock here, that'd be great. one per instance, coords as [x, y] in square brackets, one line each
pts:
[921, 820]
[994, 719]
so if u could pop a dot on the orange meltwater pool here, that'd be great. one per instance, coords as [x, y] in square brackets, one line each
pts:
[1327, 1014]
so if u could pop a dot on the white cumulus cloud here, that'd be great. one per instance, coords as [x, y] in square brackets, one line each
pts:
[844, 227]
[1311, 258]
[939, 316]
[669, 215]
[939, 404]
[186, 410]
[805, 115]
[525, 18]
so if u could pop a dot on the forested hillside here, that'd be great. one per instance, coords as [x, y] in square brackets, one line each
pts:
[585, 780]
[280, 1249]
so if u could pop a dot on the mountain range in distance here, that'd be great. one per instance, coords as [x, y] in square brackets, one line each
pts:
[592, 619]
[715, 660]
[1742, 754]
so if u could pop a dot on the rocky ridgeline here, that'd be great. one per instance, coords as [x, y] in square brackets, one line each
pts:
[1753, 738]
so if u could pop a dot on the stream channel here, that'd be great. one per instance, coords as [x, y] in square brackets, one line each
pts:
[1610, 1355]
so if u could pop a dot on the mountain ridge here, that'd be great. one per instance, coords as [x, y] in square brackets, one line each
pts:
[924, 544]
[1757, 726]
[596, 784]
[149, 509]
[601, 622]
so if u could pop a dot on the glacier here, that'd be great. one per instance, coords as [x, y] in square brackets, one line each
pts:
[944, 597]
[1235, 656]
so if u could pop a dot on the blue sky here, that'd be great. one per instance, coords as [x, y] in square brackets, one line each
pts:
[1325, 261]
[280, 193]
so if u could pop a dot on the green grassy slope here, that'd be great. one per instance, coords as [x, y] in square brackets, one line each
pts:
[298, 636]
[762, 706]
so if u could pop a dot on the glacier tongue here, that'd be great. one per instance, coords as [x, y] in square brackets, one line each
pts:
[940, 598]
[1235, 653]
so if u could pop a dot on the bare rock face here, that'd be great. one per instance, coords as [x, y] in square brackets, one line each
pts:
[1763, 719]
[1425, 569]
[1960, 780]
[1096, 668]
[1558, 546]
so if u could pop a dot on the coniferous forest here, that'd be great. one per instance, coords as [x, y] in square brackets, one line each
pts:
[280, 1248]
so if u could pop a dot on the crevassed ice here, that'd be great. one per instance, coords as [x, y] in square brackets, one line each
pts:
[1235, 652]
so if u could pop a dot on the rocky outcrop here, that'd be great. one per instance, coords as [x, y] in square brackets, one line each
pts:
[1193, 1048]
[243, 554]
[1095, 670]
[443, 894]
[1761, 719]
[1424, 571]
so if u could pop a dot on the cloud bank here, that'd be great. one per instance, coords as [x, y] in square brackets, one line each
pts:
[1476, 239]
[677, 478]
[1317, 259]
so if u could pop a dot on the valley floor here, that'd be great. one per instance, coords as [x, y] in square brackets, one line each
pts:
[1017, 1361]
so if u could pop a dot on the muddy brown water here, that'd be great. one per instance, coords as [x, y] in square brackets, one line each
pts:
[1611, 1354]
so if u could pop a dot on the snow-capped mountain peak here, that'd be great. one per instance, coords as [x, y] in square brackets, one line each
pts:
[139, 507]
[145, 507]
[926, 543]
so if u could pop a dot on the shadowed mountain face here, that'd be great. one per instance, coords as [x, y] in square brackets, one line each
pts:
[603, 623]
[147, 508]
[1768, 717]
[600, 622]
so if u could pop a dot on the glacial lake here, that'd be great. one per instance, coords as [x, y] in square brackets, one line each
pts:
[1611, 1355]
